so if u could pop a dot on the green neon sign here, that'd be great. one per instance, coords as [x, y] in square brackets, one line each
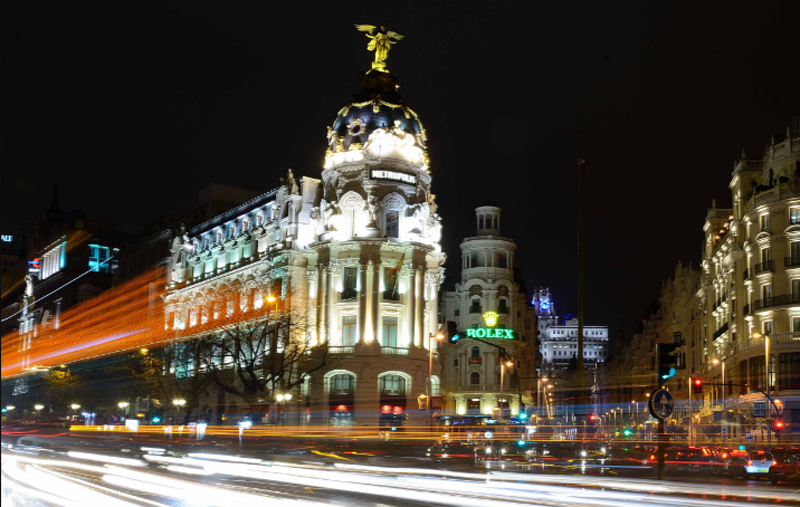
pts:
[482, 332]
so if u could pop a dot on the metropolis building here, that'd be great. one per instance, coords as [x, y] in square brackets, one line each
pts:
[353, 250]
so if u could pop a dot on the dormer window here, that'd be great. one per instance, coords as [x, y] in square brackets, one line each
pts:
[259, 219]
[245, 224]
[233, 231]
[219, 236]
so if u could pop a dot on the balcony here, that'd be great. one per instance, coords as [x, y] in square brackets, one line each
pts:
[791, 262]
[391, 295]
[475, 309]
[787, 299]
[349, 294]
[342, 350]
[397, 351]
[719, 332]
[763, 267]
[474, 360]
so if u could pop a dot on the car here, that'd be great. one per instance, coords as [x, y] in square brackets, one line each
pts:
[785, 467]
[758, 464]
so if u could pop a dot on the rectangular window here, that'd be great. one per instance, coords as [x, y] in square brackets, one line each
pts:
[392, 226]
[768, 327]
[349, 283]
[794, 215]
[796, 324]
[794, 250]
[98, 255]
[349, 331]
[789, 370]
[389, 335]
[765, 222]
[766, 255]
[391, 280]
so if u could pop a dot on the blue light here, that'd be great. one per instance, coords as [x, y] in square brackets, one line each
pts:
[521, 442]
[156, 419]
[394, 429]
[523, 416]
[544, 305]
[741, 448]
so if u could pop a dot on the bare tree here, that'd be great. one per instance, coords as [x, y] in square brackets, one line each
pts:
[259, 358]
[63, 387]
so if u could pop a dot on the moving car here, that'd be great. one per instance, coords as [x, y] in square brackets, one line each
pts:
[786, 467]
[758, 464]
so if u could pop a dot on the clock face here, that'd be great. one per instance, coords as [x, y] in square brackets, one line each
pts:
[544, 305]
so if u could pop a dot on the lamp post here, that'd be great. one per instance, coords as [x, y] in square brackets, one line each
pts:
[274, 346]
[717, 361]
[539, 393]
[439, 336]
[767, 339]
[178, 403]
[38, 407]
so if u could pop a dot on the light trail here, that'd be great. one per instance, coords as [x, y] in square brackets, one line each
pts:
[35, 477]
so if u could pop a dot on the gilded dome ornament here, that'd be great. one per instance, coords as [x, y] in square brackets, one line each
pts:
[381, 41]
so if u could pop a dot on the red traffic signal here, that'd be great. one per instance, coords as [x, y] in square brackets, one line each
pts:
[592, 417]
[697, 385]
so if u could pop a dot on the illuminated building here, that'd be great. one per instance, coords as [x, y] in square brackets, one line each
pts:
[747, 286]
[353, 253]
[489, 310]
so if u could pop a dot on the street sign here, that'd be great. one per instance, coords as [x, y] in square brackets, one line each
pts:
[724, 430]
[748, 437]
[115, 418]
[759, 409]
[661, 404]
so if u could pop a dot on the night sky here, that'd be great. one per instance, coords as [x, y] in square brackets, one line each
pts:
[132, 108]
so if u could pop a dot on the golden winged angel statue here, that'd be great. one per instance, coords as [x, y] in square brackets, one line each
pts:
[380, 42]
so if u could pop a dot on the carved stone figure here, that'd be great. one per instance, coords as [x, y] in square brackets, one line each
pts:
[291, 183]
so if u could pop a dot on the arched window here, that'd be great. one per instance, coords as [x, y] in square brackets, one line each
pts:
[476, 352]
[434, 386]
[393, 384]
[475, 306]
[475, 378]
[342, 384]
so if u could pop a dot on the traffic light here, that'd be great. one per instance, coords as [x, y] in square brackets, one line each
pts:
[592, 417]
[627, 432]
[697, 385]
[451, 331]
[666, 361]
[778, 426]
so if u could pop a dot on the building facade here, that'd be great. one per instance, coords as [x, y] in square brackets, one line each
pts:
[352, 254]
[736, 320]
[494, 326]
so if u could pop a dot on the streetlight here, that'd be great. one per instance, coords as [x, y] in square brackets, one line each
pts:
[178, 403]
[38, 408]
[75, 406]
[717, 361]
[767, 338]
[144, 351]
[439, 336]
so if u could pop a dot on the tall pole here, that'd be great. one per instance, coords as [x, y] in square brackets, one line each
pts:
[430, 379]
[581, 167]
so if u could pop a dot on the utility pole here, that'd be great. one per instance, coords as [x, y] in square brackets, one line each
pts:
[581, 168]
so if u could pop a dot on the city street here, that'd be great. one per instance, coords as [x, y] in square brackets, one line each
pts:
[155, 476]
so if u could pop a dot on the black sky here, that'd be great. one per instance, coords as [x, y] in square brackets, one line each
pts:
[132, 108]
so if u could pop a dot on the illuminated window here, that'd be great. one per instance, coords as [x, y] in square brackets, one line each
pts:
[349, 283]
[766, 293]
[434, 385]
[98, 257]
[393, 384]
[390, 282]
[259, 219]
[794, 215]
[233, 231]
[389, 334]
[767, 327]
[392, 225]
[765, 222]
[796, 326]
[349, 331]
[219, 236]
[245, 224]
[342, 384]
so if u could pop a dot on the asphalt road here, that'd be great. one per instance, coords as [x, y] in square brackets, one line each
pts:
[155, 476]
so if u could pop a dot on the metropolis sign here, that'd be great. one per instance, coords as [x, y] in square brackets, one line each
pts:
[402, 177]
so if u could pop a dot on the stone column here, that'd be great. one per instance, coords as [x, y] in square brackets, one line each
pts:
[410, 307]
[433, 303]
[419, 309]
[330, 312]
[362, 300]
[375, 299]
